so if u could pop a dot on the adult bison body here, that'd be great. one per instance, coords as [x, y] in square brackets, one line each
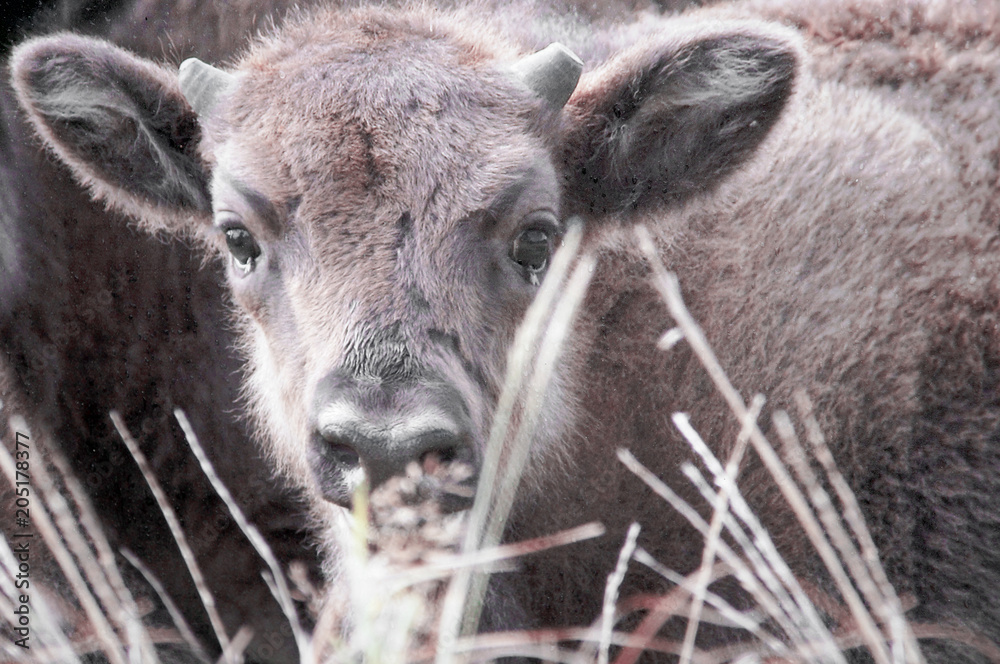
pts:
[387, 189]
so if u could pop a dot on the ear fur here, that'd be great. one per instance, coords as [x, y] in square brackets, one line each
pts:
[673, 116]
[119, 122]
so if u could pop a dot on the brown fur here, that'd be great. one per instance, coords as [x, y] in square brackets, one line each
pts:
[825, 189]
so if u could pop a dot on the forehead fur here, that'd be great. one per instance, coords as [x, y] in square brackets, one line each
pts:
[379, 108]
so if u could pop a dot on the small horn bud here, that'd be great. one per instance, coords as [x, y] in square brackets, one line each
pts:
[552, 73]
[203, 85]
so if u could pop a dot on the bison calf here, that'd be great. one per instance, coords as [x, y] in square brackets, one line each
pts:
[387, 187]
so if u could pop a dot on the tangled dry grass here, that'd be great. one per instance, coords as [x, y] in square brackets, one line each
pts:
[417, 568]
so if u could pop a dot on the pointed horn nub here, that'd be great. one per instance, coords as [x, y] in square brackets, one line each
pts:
[203, 85]
[552, 73]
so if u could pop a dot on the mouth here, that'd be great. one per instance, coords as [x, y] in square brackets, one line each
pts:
[422, 513]
[420, 516]
[450, 481]
[337, 471]
[442, 485]
[446, 480]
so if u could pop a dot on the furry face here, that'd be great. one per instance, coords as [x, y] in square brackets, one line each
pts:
[383, 266]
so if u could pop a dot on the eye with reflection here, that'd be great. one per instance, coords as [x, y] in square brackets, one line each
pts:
[244, 249]
[533, 245]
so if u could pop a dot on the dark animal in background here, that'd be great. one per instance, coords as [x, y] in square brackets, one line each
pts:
[91, 323]
[386, 188]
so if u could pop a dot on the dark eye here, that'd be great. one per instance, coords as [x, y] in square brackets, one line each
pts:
[531, 249]
[533, 246]
[243, 247]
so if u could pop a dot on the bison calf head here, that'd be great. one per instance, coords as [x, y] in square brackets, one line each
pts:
[388, 188]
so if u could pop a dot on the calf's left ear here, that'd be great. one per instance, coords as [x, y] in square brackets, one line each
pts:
[120, 123]
[674, 115]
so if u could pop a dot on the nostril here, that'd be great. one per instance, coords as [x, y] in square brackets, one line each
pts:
[448, 454]
[342, 454]
[446, 476]
[340, 448]
[336, 466]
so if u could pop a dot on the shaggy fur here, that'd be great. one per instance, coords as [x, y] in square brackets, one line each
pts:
[821, 176]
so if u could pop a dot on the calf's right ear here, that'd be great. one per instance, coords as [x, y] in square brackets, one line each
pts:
[120, 123]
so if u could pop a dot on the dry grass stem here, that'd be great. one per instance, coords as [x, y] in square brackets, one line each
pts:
[660, 609]
[204, 594]
[463, 600]
[611, 593]
[799, 618]
[53, 539]
[280, 585]
[888, 613]
[803, 619]
[730, 616]
[68, 523]
[50, 637]
[442, 566]
[741, 571]
[852, 514]
[236, 647]
[719, 508]
[542, 644]
[519, 360]
[670, 338]
[669, 289]
[544, 366]
[182, 626]
[106, 556]
[986, 648]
